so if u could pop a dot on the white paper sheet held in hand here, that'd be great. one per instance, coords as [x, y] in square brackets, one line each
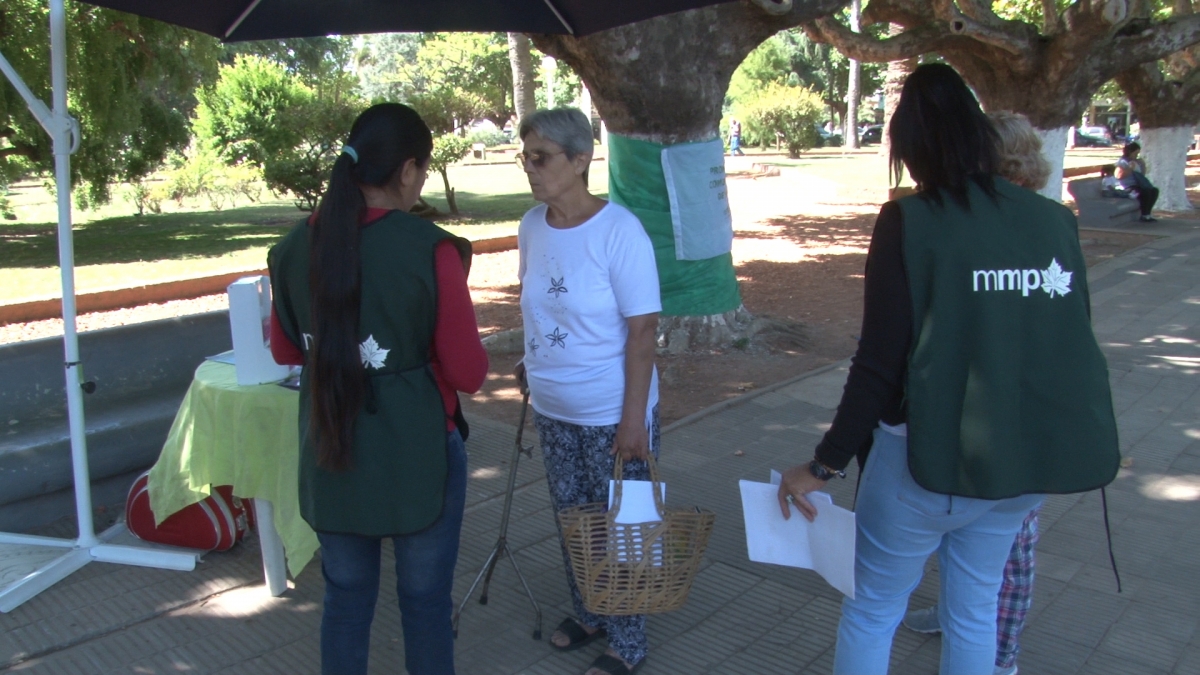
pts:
[825, 545]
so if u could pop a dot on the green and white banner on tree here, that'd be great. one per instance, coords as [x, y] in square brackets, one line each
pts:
[689, 222]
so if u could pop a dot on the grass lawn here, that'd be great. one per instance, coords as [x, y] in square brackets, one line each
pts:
[114, 249]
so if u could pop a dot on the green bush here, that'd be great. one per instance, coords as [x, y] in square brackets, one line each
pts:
[448, 149]
[490, 138]
[6, 209]
[259, 115]
[791, 113]
[202, 175]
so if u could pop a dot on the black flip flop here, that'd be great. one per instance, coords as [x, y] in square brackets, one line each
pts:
[578, 636]
[614, 666]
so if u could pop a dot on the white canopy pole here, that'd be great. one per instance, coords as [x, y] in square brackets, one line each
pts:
[65, 557]
[65, 133]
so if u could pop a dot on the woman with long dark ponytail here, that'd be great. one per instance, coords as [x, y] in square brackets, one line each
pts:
[374, 303]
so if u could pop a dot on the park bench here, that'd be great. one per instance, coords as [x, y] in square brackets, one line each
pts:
[1098, 211]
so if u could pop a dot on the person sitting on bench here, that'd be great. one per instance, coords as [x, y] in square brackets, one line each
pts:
[1110, 186]
[1131, 174]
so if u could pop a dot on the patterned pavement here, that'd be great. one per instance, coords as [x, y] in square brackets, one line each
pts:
[742, 617]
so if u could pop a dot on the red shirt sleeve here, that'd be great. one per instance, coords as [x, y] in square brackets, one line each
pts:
[459, 359]
[284, 351]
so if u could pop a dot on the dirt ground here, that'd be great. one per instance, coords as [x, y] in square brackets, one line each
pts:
[805, 270]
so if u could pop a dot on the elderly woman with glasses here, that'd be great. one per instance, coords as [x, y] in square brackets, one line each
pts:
[589, 297]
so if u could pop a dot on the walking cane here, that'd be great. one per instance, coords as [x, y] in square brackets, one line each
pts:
[501, 548]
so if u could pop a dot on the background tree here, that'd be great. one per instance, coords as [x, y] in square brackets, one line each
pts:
[1037, 59]
[790, 57]
[258, 113]
[790, 113]
[1166, 97]
[893, 82]
[323, 64]
[448, 149]
[384, 66]
[131, 83]
[663, 81]
[473, 63]
[854, 84]
[524, 84]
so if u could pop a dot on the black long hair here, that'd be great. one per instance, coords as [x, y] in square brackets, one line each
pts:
[939, 132]
[384, 138]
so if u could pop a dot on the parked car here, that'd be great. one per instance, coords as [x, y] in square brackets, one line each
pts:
[1097, 132]
[1083, 140]
[828, 139]
[872, 134]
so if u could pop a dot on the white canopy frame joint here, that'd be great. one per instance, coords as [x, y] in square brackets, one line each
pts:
[61, 557]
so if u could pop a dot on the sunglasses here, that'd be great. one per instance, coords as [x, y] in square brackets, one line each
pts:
[535, 159]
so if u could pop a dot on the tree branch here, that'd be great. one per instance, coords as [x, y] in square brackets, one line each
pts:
[1140, 81]
[1011, 39]
[19, 150]
[774, 7]
[979, 11]
[904, 12]
[1051, 24]
[1157, 41]
[862, 47]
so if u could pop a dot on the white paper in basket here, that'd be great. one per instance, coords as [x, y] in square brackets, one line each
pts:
[637, 507]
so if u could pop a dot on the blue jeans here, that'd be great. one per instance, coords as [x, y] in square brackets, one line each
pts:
[424, 577]
[899, 525]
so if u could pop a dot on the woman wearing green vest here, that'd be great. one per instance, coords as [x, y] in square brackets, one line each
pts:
[1022, 163]
[977, 386]
[374, 303]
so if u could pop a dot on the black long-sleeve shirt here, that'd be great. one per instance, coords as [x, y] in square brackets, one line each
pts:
[875, 388]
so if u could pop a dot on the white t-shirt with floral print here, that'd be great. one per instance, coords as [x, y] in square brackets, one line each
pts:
[578, 287]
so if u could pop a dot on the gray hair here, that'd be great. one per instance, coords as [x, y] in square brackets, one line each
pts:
[567, 127]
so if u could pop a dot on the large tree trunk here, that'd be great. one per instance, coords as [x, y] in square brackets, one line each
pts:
[1166, 97]
[853, 86]
[524, 83]
[1048, 72]
[893, 83]
[451, 201]
[1054, 149]
[663, 81]
[1165, 151]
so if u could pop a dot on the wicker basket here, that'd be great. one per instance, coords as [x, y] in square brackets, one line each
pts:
[642, 568]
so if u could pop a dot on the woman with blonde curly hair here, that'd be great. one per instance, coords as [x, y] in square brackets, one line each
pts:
[1020, 150]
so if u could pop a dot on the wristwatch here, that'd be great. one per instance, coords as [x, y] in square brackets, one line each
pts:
[822, 472]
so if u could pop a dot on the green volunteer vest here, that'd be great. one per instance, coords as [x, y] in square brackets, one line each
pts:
[1007, 390]
[397, 478]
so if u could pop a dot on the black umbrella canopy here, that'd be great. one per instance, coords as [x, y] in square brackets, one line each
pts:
[238, 20]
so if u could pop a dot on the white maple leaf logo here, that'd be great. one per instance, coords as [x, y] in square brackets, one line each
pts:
[1055, 279]
[372, 354]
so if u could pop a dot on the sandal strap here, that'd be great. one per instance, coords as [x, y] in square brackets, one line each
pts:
[611, 665]
[573, 630]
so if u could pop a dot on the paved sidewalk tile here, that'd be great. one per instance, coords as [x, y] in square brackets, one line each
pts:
[741, 617]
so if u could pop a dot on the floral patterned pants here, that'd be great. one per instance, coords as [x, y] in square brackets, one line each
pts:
[579, 465]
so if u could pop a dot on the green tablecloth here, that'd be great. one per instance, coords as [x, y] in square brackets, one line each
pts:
[247, 437]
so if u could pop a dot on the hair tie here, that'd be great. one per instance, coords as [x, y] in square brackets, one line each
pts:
[347, 150]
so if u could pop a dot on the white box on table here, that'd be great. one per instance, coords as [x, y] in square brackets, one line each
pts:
[250, 322]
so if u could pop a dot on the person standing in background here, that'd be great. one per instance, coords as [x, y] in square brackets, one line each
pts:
[735, 137]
